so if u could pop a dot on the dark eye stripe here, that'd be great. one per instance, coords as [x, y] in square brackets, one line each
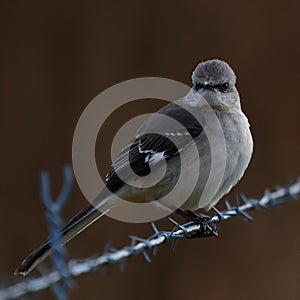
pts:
[221, 87]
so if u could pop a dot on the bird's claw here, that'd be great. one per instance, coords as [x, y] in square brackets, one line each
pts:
[207, 228]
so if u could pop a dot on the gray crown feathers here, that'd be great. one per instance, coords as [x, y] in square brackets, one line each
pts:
[213, 72]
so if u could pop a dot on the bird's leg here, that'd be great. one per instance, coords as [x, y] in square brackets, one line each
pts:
[190, 215]
[184, 214]
[206, 227]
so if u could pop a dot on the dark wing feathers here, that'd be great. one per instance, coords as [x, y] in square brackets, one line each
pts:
[146, 145]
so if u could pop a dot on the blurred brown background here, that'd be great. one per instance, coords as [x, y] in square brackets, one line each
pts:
[57, 56]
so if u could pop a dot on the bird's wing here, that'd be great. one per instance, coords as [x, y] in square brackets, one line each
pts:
[148, 149]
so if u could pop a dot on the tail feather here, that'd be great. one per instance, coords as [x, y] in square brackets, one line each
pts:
[76, 225]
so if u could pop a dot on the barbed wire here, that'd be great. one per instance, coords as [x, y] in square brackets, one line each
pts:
[55, 223]
[197, 226]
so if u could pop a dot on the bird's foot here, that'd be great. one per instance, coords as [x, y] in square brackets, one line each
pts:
[207, 228]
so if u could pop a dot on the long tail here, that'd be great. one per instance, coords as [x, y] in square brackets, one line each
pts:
[77, 224]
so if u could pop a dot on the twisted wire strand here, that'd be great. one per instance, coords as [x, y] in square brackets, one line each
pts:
[140, 246]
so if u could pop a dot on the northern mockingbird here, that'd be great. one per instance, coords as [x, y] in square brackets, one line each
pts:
[214, 81]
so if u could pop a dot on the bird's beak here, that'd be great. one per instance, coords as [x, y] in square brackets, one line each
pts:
[208, 87]
[204, 88]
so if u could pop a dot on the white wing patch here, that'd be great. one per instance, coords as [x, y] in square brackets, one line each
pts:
[176, 133]
[158, 156]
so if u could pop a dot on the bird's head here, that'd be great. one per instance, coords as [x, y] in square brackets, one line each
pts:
[215, 81]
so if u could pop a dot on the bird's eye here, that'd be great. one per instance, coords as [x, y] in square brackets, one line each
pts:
[224, 87]
[199, 86]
